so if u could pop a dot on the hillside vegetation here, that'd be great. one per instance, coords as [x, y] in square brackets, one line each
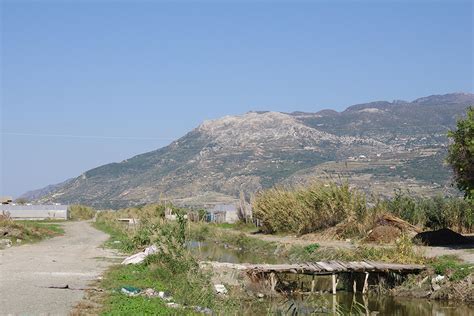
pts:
[377, 146]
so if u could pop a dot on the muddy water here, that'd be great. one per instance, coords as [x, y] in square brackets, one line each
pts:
[323, 303]
[226, 253]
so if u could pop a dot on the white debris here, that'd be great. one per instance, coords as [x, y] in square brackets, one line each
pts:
[220, 289]
[434, 282]
[150, 293]
[438, 278]
[173, 305]
[129, 292]
[140, 257]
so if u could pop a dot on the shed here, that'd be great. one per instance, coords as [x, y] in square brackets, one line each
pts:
[222, 213]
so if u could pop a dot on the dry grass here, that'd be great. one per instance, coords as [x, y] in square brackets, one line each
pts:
[81, 212]
[304, 210]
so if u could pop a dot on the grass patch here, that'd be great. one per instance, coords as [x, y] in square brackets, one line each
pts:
[19, 232]
[173, 269]
[403, 252]
[137, 276]
[452, 267]
[118, 237]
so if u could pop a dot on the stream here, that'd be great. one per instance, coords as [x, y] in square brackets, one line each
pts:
[323, 303]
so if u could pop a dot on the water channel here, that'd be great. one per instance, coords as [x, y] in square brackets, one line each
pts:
[325, 303]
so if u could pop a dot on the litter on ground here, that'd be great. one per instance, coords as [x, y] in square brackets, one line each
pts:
[140, 257]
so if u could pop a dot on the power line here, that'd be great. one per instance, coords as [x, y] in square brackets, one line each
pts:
[86, 136]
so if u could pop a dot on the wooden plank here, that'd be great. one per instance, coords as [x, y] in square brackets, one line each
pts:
[356, 266]
[337, 266]
[315, 267]
[334, 266]
[320, 268]
[367, 266]
[342, 264]
[325, 266]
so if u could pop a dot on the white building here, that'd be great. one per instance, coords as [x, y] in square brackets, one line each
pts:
[35, 212]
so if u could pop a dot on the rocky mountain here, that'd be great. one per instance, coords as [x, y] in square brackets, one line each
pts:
[377, 146]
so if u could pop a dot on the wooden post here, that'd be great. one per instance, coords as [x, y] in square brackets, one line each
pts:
[273, 281]
[354, 286]
[366, 284]
[366, 305]
[313, 284]
[334, 284]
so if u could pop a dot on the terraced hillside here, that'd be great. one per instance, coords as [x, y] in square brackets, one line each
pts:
[378, 146]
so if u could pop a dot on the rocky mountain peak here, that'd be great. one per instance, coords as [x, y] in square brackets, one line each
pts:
[381, 145]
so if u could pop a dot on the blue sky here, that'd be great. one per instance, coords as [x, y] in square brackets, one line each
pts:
[118, 78]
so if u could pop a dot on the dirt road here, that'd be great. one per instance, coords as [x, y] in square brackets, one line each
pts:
[27, 271]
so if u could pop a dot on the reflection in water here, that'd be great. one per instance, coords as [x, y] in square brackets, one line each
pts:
[348, 304]
[224, 253]
[343, 303]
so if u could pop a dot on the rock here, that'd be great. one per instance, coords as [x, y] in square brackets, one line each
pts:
[5, 243]
[220, 289]
[18, 241]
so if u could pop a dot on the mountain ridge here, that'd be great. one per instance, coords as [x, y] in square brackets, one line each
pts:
[376, 142]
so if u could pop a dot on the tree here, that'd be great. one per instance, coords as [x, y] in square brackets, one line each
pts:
[461, 154]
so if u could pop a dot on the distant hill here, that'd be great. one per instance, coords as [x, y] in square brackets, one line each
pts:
[378, 146]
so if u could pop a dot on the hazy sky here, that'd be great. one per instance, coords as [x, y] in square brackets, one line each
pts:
[90, 82]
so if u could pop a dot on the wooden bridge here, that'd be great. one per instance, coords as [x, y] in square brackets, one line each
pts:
[333, 268]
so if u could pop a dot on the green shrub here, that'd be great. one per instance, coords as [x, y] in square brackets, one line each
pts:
[433, 213]
[311, 248]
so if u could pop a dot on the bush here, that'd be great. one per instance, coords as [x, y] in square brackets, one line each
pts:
[81, 212]
[308, 209]
[433, 213]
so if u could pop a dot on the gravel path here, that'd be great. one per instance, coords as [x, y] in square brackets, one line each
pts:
[27, 271]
